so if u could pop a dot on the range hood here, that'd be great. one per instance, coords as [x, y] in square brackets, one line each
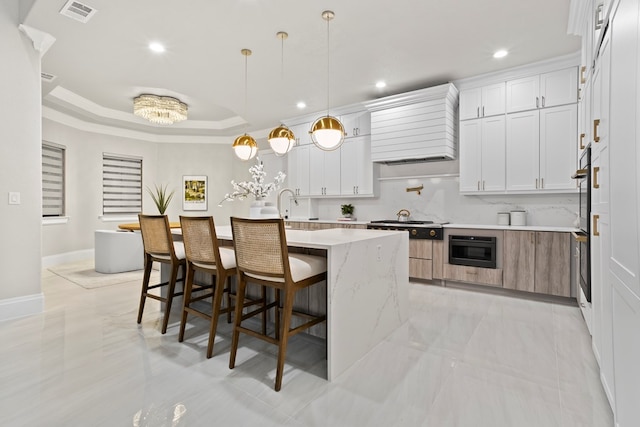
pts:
[412, 127]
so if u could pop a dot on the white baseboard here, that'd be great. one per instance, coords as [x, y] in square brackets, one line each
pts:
[13, 308]
[67, 257]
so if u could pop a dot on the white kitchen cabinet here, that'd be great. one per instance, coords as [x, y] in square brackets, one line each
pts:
[541, 149]
[485, 101]
[301, 133]
[324, 172]
[356, 170]
[298, 169]
[482, 155]
[558, 162]
[542, 91]
[356, 124]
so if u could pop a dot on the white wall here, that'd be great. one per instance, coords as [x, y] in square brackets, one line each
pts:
[84, 184]
[20, 167]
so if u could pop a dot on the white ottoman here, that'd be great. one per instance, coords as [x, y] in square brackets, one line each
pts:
[118, 251]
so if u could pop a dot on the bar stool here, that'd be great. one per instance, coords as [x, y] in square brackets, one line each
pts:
[160, 247]
[262, 257]
[205, 254]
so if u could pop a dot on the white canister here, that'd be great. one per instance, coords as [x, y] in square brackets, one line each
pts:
[503, 218]
[519, 217]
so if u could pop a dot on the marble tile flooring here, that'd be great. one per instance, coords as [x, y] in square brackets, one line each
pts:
[464, 358]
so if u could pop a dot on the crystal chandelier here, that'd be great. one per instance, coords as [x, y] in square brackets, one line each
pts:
[162, 110]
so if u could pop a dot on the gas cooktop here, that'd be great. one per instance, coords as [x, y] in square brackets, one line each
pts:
[417, 229]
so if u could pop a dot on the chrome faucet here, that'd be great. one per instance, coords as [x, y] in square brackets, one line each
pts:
[280, 193]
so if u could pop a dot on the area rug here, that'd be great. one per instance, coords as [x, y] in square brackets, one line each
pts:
[83, 274]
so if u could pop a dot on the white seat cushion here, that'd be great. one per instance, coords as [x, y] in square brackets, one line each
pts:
[302, 267]
[178, 247]
[227, 258]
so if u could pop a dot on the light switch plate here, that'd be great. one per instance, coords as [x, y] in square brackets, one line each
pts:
[14, 198]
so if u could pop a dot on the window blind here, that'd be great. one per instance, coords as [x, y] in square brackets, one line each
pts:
[52, 179]
[121, 184]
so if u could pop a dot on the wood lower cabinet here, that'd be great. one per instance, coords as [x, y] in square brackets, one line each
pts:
[308, 225]
[476, 275]
[421, 259]
[537, 261]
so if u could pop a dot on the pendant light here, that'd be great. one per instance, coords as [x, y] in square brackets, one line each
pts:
[281, 139]
[245, 146]
[327, 133]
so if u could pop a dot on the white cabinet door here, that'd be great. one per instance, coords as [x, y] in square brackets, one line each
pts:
[324, 172]
[356, 169]
[493, 154]
[316, 171]
[356, 124]
[482, 102]
[559, 87]
[482, 155]
[470, 159]
[522, 94]
[493, 100]
[470, 101]
[298, 170]
[523, 156]
[558, 128]
[301, 133]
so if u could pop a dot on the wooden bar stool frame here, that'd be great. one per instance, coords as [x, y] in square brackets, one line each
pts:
[159, 247]
[262, 257]
[203, 254]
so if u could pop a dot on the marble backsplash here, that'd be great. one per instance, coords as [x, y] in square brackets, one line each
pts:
[441, 201]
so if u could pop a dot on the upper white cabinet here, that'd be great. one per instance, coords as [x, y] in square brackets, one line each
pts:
[356, 124]
[482, 102]
[482, 155]
[301, 133]
[541, 149]
[356, 173]
[298, 170]
[324, 172]
[542, 91]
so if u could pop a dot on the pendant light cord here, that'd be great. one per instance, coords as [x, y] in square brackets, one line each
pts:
[328, 59]
[246, 57]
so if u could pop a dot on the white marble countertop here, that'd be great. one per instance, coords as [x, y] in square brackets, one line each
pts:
[326, 221]
[514, 227]
[319, 239]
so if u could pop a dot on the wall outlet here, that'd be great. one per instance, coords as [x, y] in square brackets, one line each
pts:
[14, 198]
[379, 253]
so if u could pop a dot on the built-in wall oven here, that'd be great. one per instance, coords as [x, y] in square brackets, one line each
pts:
[583, 238]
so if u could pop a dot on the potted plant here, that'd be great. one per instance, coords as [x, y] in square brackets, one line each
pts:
[161, 198]
[347, 210]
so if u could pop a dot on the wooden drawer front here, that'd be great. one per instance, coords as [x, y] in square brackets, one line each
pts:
[483, 276]
[420, 248]
[420, 268]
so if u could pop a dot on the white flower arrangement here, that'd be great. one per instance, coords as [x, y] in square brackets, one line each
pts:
[256, 188]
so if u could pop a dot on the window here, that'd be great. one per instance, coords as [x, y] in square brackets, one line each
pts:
[121, 184]
[53, 193]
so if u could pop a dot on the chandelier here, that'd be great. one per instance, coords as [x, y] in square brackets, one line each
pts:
[162, 110]
[245, 146]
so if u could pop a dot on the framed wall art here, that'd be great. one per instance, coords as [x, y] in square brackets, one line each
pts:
[194, 193]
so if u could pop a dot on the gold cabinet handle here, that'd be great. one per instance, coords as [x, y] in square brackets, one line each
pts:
[596, 124]
[596, 218]
[583, 80]
[582, 135]
[596, 170]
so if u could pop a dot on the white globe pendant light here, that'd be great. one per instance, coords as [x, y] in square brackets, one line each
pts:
[281, 139]
[327, 133]
[244, 146]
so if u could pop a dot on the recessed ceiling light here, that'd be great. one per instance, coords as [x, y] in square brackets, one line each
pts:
[500, 53]
[301, 105]
[381, 84]
[156, 47]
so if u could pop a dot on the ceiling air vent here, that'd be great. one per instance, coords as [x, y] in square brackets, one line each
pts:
[78, 11]
[47, 77]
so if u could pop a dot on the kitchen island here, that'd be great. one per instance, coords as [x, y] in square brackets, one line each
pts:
[367, 289]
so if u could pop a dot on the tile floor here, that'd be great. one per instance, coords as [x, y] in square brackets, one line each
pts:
[464, 358]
